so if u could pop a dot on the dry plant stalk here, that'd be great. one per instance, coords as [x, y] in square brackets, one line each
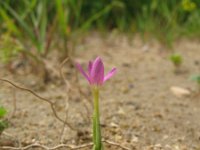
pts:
[37, 145]
[71, 147]
[86, 99]
[67, 84]
[41, 98]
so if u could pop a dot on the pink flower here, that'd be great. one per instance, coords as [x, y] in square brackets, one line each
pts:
[95, 75]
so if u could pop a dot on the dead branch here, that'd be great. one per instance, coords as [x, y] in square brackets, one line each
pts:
[67, 84]
[36, 145]
[62, 74]
[68, 88]
[116, 144]
[64, 125]
[71, 147]
[41, 98]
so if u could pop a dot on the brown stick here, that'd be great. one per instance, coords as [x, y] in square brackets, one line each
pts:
[67, 84]
[71, 147]
[41, 98]
[68, 87]
[116, 144]
[36, 145]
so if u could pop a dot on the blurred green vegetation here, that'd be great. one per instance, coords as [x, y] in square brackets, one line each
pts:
[176, 59]
[36, 24]
[196, 78]
[3, 122]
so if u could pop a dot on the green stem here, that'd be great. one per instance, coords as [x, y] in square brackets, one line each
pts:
[96, 121]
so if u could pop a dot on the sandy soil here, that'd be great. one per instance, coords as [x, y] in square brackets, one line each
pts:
[138, 109]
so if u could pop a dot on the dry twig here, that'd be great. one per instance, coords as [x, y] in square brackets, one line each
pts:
[71, 147]
[36, 145]
[41, 98]
[80, 91]
[116, 144]
[66, 98]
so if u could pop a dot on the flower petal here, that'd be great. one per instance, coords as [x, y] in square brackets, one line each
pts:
[110, 74]
[97, 72]
[89, 67]
[83, 72]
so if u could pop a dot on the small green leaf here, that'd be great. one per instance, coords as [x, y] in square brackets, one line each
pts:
[2, 112]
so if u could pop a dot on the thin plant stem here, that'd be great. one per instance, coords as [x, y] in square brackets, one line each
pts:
[96, 121]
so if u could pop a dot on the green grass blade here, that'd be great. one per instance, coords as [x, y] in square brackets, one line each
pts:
[9, 22]
[62, 15]
[23, 24]
[94, 17]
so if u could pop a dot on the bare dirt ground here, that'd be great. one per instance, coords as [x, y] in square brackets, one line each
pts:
[138, 109]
